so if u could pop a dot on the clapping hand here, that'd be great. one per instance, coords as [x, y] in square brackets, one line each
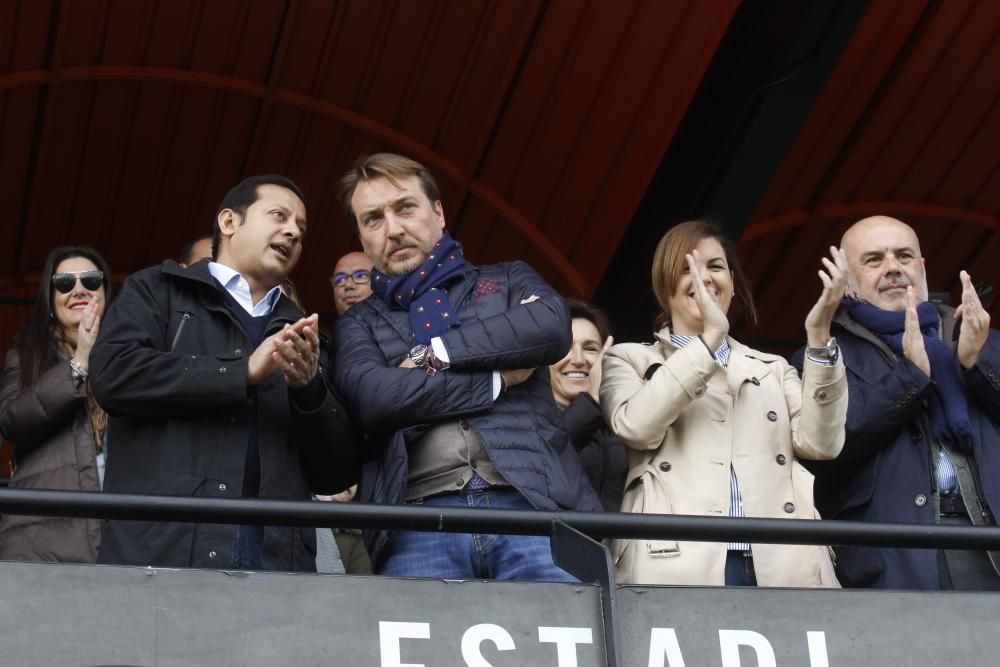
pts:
[86, 333]
[975, 324]
[834, 280]
[715, 322]
[294, 351]
[595, 370]
[913, 339]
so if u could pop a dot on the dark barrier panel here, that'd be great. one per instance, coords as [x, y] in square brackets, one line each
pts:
[698, 627]
[89, 615]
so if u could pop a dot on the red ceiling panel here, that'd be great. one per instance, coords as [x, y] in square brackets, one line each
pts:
[123, 123]
[907, 126]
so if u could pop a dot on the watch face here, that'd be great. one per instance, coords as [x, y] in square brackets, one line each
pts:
[418, 354]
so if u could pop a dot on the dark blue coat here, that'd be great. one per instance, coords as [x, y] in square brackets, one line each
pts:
[521, 430]
[885, 472]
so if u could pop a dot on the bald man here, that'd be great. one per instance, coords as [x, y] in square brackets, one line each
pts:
[351, 276]
[923, 423]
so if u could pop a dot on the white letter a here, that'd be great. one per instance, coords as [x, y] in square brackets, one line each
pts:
[663, 646]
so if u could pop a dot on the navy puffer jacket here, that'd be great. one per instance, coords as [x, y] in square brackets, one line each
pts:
[521, 430]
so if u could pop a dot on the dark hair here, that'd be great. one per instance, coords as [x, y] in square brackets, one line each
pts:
[185, 257]
[388, 166]
[242, 197]
[593, 314]
[669, 263]
[37, 344]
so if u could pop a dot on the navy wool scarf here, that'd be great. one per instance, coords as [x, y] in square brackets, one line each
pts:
[949, 411]
[423, 291]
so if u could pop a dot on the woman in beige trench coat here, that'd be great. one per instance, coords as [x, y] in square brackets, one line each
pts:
[716, 428]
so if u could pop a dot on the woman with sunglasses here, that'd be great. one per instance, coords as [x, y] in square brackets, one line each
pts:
[47, 410]
[716, 428]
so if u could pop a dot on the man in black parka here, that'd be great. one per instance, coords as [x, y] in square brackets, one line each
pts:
[216, 388]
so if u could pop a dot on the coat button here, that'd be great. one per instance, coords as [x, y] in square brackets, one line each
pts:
[464, 424]
[920, 500]
[698, 391]
[780, 458]
[237, 351]
[222, 369]
[772, 416]
[821, 395]
[665, 466]
[212, 554]
[459, 482]
[789, 508]
[222, 487]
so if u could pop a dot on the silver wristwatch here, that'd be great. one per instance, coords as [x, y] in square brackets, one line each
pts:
[418, 355]
[78, 372]
[824, 356]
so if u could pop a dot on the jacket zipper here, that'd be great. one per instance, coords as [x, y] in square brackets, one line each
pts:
[184, 318]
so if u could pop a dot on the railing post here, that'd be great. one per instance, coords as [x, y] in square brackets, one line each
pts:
[589, 560]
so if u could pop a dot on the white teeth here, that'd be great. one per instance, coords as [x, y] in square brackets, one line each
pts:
[576, 374]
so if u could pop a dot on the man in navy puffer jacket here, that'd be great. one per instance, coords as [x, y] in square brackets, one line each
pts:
[438, 366]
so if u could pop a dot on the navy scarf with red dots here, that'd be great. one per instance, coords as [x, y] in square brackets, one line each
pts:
[424, 292]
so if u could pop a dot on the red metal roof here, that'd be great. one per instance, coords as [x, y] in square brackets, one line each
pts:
[123, 123]
[908, 125]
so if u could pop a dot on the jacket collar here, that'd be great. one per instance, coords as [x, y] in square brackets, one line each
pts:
[198, 273]
[846, 322]
[745, 363]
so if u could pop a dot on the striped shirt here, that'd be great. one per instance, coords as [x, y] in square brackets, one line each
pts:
[735, 499]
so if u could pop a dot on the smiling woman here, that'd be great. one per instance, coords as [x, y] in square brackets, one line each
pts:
[576, 382]
[47, 410]
[715, 428]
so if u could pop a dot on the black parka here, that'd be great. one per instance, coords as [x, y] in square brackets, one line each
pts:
[170, 367]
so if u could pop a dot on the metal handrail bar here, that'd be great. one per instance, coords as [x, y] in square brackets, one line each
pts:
[515, 522]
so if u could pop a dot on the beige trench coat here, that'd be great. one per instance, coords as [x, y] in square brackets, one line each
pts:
[686, 421]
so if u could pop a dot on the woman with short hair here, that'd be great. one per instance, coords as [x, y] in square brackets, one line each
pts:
[576, 382]
[716, 428]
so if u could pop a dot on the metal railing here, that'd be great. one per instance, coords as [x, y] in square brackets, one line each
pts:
[516, 522]
[573, 535]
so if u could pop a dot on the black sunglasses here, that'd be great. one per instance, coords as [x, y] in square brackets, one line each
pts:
[360, 277]
[65, 282]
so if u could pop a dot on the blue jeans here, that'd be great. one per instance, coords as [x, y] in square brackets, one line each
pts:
[472, 555]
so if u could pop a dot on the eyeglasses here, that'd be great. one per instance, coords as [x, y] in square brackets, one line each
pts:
[65, 282]
[360, 277]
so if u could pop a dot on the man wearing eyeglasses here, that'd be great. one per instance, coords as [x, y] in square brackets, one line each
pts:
[351, 280]
[216, 386]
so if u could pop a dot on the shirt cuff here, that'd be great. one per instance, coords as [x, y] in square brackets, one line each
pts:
[497, 385]
[440, 352]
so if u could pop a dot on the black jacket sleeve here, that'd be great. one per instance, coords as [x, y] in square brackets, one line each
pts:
[583, 421]
[983, 379]
[328, 443]
[527, 335]
[384, 397]
[876, 410]
[133, 372]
